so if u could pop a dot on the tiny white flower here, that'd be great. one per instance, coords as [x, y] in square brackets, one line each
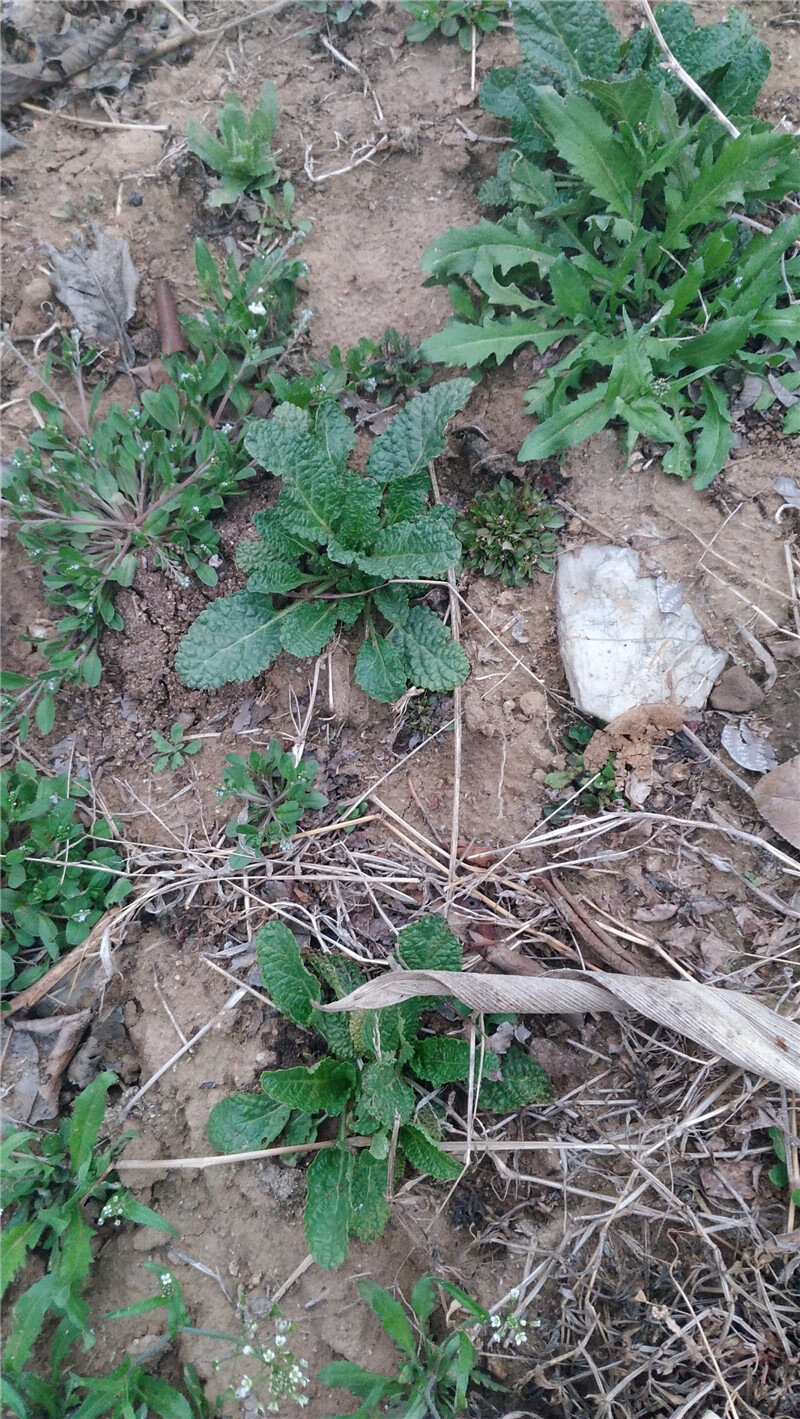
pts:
[495, 1322]
[513, 1293]
[269, 1356]
[248, 1350]
[282, 1324]
[252, 334]
[226, 428]
[244, 1388]
[280, 1341]
[257, 308]
[520, 1338]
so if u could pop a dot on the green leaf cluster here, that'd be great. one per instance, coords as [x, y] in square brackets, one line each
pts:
[149, 478]
[242, 155]
[778, 1174]
[275, 791]
[467, 20]
[47, 1181]
[590, 791]
[378, 1074]
[173, 752]
[382, 370]
[336, 545]
[435, 1375]
[509, 533]
[627, 237]
[57, 876]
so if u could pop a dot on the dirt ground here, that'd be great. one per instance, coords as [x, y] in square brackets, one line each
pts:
[603, 1294]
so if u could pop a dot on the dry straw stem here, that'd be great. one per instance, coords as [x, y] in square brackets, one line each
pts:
[733, 1026]
[673, 67]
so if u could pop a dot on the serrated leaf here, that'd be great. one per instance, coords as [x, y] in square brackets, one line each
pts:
[290, 986]
[322, 1088]
[440, 1060]
[432, 659]
[383, 1093]
[273, 577]
[88, 1112]
[595, 151]
[359, 511]
[369, 1210]
[564, 41]
[379, 670]
[307, 627]
[235, 638]
[747, 164]
[423, 1153]
[569, 425]
[391, 1316]
[421, 549]
[245, 1121]
[429, 945]
[327, 1211]
[417, 434]
[496, 338]
[524, 1082]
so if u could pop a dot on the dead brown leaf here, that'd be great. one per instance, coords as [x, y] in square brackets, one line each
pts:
[777, 798]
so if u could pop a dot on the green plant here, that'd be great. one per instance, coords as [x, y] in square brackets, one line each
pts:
[337, 11]
[779, 1174]
[339, 544]
[91, 497]
[173, 752]
[508, 532]
[382, 370]
[242, 155]
[625, 240]
[275, 790]
[49, 1182]
[57, 875]
[470, 20]
[247, 323]
[591, 791]
[434, 1375]
[376, 1080]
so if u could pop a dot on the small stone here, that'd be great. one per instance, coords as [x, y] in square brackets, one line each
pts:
[135, 200]
[736, 692]
[186, 718]
[533, 704]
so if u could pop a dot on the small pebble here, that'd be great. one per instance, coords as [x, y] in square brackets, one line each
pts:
[135, 200]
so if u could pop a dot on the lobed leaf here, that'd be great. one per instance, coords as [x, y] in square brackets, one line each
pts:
[432, 659]
[235, 638]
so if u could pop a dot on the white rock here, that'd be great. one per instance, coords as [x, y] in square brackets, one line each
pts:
[618, 647]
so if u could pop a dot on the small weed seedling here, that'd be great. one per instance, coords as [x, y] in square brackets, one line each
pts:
[338, 12]
[434, 1376]
[275, 792]
[379, 1079]
[384, 371]
[50, 1182]
[509, 532]
[57, 877]
[592, 792]
[242, 155]
[339, 545]
[173, 752]
[779, 1173]
[470, 20]
[630, 234]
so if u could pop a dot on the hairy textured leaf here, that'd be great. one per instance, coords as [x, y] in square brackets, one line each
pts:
[369, 1210]
[290, 986]
[432, 659]
[422, 1152]
[425, 548]
[327, 1210]
[406, 498]
[417, 434]
[336, 432]
[323, 1088]
[307, 627]
[429, 945]
[384, 1094]
[309, 505]
[280, 446]
[564, 41]
[442, 1060]
[273, 577]
[524, 1082]
[245, 1121]
[359, 518]
[379, 670]
[233, 639]
[392, 602]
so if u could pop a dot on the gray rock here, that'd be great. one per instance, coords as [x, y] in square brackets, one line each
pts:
[736, 692]
[618, 647]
